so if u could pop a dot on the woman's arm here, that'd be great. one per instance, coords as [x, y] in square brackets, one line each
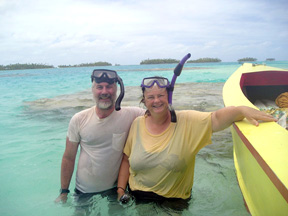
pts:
[123, 176]
[224, 117]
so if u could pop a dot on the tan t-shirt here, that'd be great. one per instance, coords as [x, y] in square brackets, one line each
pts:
[101, 142]
[164, 163]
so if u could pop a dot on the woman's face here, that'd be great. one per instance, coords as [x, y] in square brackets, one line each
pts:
[156, 99]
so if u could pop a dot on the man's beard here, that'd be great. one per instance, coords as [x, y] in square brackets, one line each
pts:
[105, 105]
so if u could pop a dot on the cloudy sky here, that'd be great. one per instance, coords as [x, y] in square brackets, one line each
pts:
[57, 32]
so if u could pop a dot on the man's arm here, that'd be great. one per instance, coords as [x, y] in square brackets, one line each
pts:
[67, 167]
[224, 117]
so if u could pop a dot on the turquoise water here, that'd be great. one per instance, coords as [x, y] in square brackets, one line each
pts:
[32, 142]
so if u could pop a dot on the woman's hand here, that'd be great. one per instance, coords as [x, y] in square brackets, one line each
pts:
[224, 117]
[253, 115]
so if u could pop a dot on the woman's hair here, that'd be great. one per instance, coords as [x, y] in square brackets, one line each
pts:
[147, 112]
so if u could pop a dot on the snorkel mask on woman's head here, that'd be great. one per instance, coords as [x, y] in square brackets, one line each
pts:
[164, 83]
[160, 81]
[109, 76]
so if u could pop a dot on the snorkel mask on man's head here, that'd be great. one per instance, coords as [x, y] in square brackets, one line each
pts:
[109, 76]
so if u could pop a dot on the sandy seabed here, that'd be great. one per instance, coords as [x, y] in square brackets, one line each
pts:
[186, 96]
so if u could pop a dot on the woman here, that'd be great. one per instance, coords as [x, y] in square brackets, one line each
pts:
[161, 154]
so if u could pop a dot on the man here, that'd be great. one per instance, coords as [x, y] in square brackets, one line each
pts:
[101, 133]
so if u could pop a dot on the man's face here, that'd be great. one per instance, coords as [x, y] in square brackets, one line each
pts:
[104, 94]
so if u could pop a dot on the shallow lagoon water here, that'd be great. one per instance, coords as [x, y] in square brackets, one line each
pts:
[36, 106]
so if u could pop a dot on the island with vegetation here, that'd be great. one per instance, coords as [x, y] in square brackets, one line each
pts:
[41, 66]
[159, 61]
[247, 59]
[204, 60]
[270, 59]
[24, 66]
[87, 65]
[172, 61]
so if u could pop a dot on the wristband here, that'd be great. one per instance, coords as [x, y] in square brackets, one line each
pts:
[121, 188]
[64, 191]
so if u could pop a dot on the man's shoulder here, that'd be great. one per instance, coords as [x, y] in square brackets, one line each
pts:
[84, 112]
[128, 114]
[133, 110]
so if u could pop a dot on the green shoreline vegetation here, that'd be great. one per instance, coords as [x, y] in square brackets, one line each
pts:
[87, 65]
[159, 61]
[205, 60]
[41, 66]
[24, 66]
[172, 61]
[247, 59]
[100, 63]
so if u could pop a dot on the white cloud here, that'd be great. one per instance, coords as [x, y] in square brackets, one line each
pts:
[126, 32]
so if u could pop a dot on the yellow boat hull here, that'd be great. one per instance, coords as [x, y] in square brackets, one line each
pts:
[260, 153]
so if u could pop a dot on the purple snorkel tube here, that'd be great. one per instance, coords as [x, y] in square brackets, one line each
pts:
[177, 72]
